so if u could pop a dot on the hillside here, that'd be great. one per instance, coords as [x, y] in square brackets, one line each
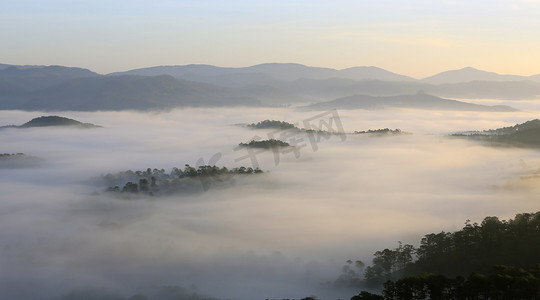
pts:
[526, 134]
[469, 74]
[417, 101]
[48, 121]
[130, 92]
[496, 259]
[513, 90]
[33, 78]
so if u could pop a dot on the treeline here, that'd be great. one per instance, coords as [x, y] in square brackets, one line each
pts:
[11, 154]
[18, 160]
[451, 265]
[156, 181]
[474, 248]
[282, 125]
[532, 124]
[502, 282]
[383, 131]
[526, 134]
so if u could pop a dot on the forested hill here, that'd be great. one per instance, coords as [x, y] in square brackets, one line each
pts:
[47, 121]
[532, 124]
[526, 134]
[496, 259]
[474, 248]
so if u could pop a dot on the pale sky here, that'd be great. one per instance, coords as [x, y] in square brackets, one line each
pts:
[415, 38]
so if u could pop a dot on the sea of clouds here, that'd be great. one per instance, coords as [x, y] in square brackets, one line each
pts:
[282, 234]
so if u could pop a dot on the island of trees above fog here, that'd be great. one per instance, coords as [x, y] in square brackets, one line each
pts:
[157, 182]
[18, 160]
[282, 125]
[521, 135]
[265, 144]
[11, 155]
[273, 124]
[157, 88]
[495, 259]
[383, 132]
[47, 121]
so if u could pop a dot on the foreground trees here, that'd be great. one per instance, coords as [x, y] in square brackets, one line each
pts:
[389, 263]
[495, 259]
[502, 282]
[474, 248]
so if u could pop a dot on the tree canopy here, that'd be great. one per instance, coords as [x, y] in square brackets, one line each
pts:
[474, 248]
[155, 181]
[495, 259]
[265, 144]
[272, 124]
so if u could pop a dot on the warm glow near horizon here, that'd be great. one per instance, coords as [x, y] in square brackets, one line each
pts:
[413, 38]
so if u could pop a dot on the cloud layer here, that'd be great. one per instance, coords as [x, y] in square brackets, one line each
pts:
[279, 235]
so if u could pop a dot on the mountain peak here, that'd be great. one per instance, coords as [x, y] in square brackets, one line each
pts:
[468, 74]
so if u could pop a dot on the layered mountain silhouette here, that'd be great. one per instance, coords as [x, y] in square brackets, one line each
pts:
[166, 87]
[290, 72]
[267, 72]
[302, 82]
[128, 92]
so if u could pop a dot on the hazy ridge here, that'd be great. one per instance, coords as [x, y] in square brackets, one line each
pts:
[166, 87]
[418, 101]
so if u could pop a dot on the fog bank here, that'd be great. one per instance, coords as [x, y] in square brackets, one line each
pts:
[282, 234]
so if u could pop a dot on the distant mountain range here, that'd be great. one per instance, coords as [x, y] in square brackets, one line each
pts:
[290, 72]
[417, 101]
[132, 92]
[165, 87]
[267, 72]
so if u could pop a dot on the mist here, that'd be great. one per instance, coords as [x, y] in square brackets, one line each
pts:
[282, 234]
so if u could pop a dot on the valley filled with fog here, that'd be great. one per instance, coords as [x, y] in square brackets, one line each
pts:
[282, 234]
